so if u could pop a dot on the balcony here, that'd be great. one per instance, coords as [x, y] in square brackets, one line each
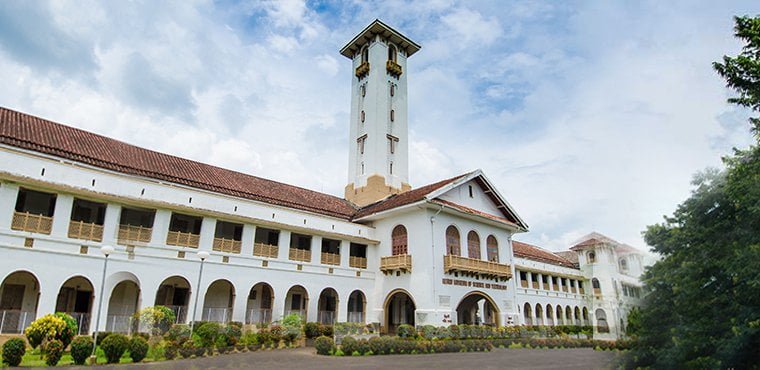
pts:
[393, 68]
[401, 262]
[362, 70]
[303, 255]
[130, 233]
[227, 245]
[181, 239]
[534, 284]
[524, 283]
[581, 291]
[330, 259]
[597, 291]
[546, 286]
[86, 231]
[265, 250]
[25, 221]
[479, 267]
[357, 262]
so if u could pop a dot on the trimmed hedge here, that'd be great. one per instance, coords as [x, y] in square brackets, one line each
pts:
[13, 351]
[324, 345]
[138, 348]
[114, 347]
[81, 348]
[53, 352]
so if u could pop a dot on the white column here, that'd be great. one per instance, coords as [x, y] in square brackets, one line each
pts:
[62, 215]
[111, 223]
[161, 226]
[247, 240]
[345, 252]
[208, 228]
[8, 197]
[284, 247]
[313, 305]
[316, 250]
[239, 304]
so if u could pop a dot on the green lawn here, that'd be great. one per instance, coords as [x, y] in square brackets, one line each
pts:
[35, 358]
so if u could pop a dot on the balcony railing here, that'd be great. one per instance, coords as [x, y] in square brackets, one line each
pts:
[303, 255]
[15, 321]
[362, 69]
[401, 262]
[453, 263]
[217, 314]
[85, 230]
[393, 68]
[326, 317]
[258, 316]
[524, 283]
[180, 313]
[546, 286]
[357, 262]
[25, 221]
[535, 285]
[83, 322]
[354, 316]
[227, 245]
[330, 259]
[581, 291]
[597, 291]
[301, 313]
[265, 250]
[131, 233]
[181, 239]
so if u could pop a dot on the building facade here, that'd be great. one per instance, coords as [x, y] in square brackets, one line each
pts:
[387, 254]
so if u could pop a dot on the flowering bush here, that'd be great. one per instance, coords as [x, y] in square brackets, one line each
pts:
[53, 352]
[51, 327]
[157, 319]
[81, 348]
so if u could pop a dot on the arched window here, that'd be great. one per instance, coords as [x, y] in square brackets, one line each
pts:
[399, 240]
[452, 241]
[365, 54]
[596, 286]
[492, 247]
[623, 264]
[601, 321]
[591, 257]
[528, 314]
[473, 245]
[392, 52]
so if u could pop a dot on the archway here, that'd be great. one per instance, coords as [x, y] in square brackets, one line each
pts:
[477, 308]
[577, 313]
[585, 316]
[601, 321]
[218, 302]
[327, 306]
[19, 296]
[174, 293]
[297, 301]
[528, 313]
[569, 315]
[75, 298]
[558, 315]
[399, 309]
[258, 310]
[122, 305]
[539, 315]
[356, 306]
[549, 315]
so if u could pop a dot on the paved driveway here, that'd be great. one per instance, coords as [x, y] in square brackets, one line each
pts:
[305, 358]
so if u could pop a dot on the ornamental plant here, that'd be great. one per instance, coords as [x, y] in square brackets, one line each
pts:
[81, 348]
[138, 349]
[157, 319]
[51, 327]
[114, 347]
[53, 352]
[13, 351]
[207, 334]
[324, 345]
[406, 331]
[293, 325]
[311, 329]
[178, 334]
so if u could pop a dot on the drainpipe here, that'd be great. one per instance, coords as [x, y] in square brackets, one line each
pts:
[432, 252]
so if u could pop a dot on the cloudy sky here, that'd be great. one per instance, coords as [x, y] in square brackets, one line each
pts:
[588, 116]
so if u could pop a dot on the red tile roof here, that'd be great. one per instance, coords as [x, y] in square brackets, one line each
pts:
[40, 135]
[586, 243]
[475, 212]
[532, 252]
[409, 197]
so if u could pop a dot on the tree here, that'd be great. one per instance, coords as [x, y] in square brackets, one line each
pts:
[703, 309]
[742, 73]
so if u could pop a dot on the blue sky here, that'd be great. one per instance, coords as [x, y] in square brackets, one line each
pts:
[588, 116]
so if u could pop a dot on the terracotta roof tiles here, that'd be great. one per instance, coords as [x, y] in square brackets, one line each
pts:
[532, 252]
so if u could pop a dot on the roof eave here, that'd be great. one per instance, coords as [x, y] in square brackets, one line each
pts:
[376, 27]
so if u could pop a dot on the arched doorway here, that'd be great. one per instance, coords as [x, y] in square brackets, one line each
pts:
[601, 321]
[585, 316]
[174, 293]
[297, 301]
[577, 313]
[569, 315]
[539, 314]
[217, 304]
[399, 309]
[477, 308]
[549, 315]
[356, 306]
[19, 296]
[558, 315]
[327, 306]
[75, 298]
[258, 310]
[122, 304]
[528, 314]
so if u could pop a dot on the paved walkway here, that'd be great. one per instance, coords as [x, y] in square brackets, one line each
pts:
[305, 358]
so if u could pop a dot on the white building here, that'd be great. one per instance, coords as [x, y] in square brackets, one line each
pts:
[387, 254]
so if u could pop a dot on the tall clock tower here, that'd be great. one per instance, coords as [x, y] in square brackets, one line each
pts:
[378, 160]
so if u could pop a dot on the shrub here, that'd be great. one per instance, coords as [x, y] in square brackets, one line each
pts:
[406, 331]
[348, 328]
[311, 330]
[264, 337]
[13, 351]
[207, 334]
[428, 331]
[454, 332]
[72, 327]
[233, 331]
[348, 345]
[187, 349]
[102, 336]
[114, 347]
[363, 346]
[178, 333]
[138, 348]
[81, 349]
[170, 351]
[293, 327]
[53, 352]
[377, 345]
[324, 345]
[50, 327]
[157, 319]
[277, 333]
[326, 330]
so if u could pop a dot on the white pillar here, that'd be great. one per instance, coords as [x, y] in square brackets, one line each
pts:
[284, 247]
[62, 215]
[161, 226]
[239, 304]
[8, 197]
[316, 250]
[247, 240]
[208, 228]
[111, 224]
[345, 252]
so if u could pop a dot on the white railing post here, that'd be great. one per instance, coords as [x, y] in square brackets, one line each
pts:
[2, 322]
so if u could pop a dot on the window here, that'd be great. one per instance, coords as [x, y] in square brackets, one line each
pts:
[363, 90]
[266, 236]
[623, 264]
[360, 142]
[392, 142]
[300, 241]
[469, 187]
[392, 52]
[473, 245]
[393, 89]
[88, 212]
[185, 223]
[362, 116]
[601, 321]
[390, 169]
[393, 115]
[591, 257]
[492, 248]
[399, 240]
[35, 202]
[365, 54]
[452, 241]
